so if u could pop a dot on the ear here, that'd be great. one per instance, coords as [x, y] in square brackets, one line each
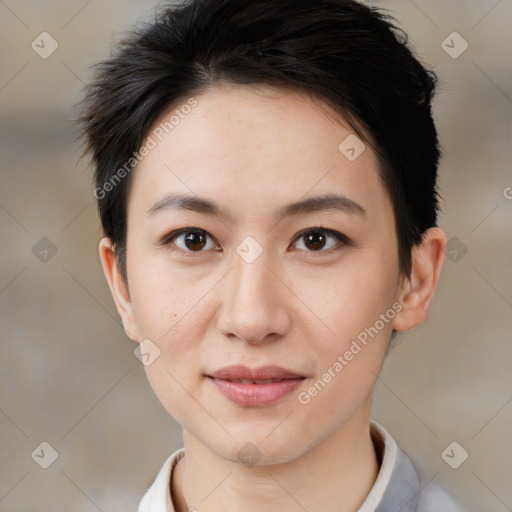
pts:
[417, 291]
[118, 288]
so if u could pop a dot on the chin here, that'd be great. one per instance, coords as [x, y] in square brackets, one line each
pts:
[258, 449]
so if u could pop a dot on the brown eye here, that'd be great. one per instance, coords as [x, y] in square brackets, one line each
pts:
[195, 241]
[315, 240]
[190, 240]
[320, 240]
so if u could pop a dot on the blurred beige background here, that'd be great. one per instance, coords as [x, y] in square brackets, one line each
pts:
[68, 375]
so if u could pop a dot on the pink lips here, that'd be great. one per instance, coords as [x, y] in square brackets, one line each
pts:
[255, 387]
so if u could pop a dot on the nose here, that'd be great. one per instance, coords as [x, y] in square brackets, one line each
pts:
[254, 303]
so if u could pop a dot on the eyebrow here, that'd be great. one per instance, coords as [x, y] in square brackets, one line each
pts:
[325, 202]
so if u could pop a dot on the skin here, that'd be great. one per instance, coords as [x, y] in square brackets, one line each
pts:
[254, 149]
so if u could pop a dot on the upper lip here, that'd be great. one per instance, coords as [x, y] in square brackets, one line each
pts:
[239, 372]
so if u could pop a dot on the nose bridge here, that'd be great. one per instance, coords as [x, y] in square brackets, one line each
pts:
[251, 307]
[250, 279]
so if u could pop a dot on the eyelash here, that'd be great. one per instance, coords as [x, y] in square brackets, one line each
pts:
[341, 238]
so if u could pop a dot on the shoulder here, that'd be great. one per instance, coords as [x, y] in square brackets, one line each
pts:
[398, 485]
[435, 499]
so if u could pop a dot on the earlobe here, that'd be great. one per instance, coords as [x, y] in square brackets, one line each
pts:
[118, 287]
[418, 290]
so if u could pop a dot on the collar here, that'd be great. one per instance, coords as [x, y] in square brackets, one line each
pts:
[396, 488]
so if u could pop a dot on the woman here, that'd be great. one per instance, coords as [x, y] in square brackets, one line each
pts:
[266, 180]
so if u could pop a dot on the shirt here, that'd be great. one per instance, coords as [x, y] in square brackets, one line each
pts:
[396, 489]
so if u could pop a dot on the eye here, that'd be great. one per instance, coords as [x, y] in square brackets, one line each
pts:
[195, 240]
[320, 240]
[190, 240]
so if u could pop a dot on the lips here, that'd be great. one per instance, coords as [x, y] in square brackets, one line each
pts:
[248, 381]
[265, 373]
[255, 387]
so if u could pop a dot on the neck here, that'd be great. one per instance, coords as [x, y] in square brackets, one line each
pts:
[337, 474]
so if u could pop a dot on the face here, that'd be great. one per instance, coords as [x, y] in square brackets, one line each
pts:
[250, 280]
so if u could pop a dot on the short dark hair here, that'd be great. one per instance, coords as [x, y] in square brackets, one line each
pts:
[352, 57]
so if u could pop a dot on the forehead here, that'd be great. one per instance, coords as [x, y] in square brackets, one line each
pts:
[254, 147]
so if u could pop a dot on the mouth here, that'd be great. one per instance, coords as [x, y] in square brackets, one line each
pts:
[256, 387]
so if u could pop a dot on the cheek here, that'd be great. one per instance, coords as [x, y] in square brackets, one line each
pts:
[171, 387]
[164, 296]
[349, 299]
[168, 312]
[348, 361]
[174, 326]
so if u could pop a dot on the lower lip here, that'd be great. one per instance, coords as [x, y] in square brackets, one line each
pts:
[254, 395]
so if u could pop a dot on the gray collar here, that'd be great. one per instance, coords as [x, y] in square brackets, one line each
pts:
[397, 487]
[403, 491]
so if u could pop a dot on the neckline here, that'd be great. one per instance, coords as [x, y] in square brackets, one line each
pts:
[385, 450]
[178, 456]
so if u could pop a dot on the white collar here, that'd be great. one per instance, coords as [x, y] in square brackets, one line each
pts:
[381, 483]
